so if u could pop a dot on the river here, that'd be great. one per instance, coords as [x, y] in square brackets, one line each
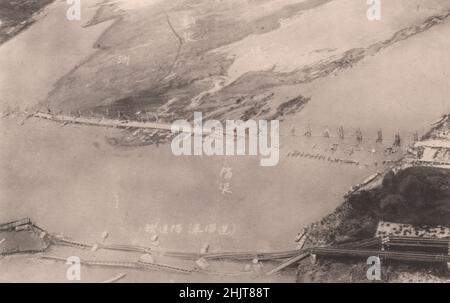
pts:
[70, 181]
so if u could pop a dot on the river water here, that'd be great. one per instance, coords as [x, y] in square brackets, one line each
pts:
[70, 181]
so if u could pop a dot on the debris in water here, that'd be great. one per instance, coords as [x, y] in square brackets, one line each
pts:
[379, 136]
[341, 133]
[202, 263]
[116, 278]
[105, 235]
[308, 132]
[326, 133]
[22, 227]
[300, 235]
[94, 247]
[146, 258]
[204, 249]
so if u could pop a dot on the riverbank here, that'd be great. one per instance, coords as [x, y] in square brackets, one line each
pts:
[15, 17]
[70, 173]
[58, 45]
[409, 193]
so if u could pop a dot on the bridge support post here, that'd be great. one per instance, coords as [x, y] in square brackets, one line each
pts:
[384, 242]
[448, 252]
[313, 259]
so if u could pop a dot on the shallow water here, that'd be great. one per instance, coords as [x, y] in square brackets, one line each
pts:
[323, 33]
[35, 59]
[70, 181]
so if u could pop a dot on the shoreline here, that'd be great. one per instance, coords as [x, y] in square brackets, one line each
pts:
[22, 24]
[356, 219]
[66, 55]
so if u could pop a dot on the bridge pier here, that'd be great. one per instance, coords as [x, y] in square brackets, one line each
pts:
[448, 252]
[313, 259]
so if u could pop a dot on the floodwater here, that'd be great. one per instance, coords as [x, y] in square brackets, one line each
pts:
[70, 181]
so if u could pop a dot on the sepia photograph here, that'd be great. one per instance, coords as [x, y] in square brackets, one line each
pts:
[224, 141]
